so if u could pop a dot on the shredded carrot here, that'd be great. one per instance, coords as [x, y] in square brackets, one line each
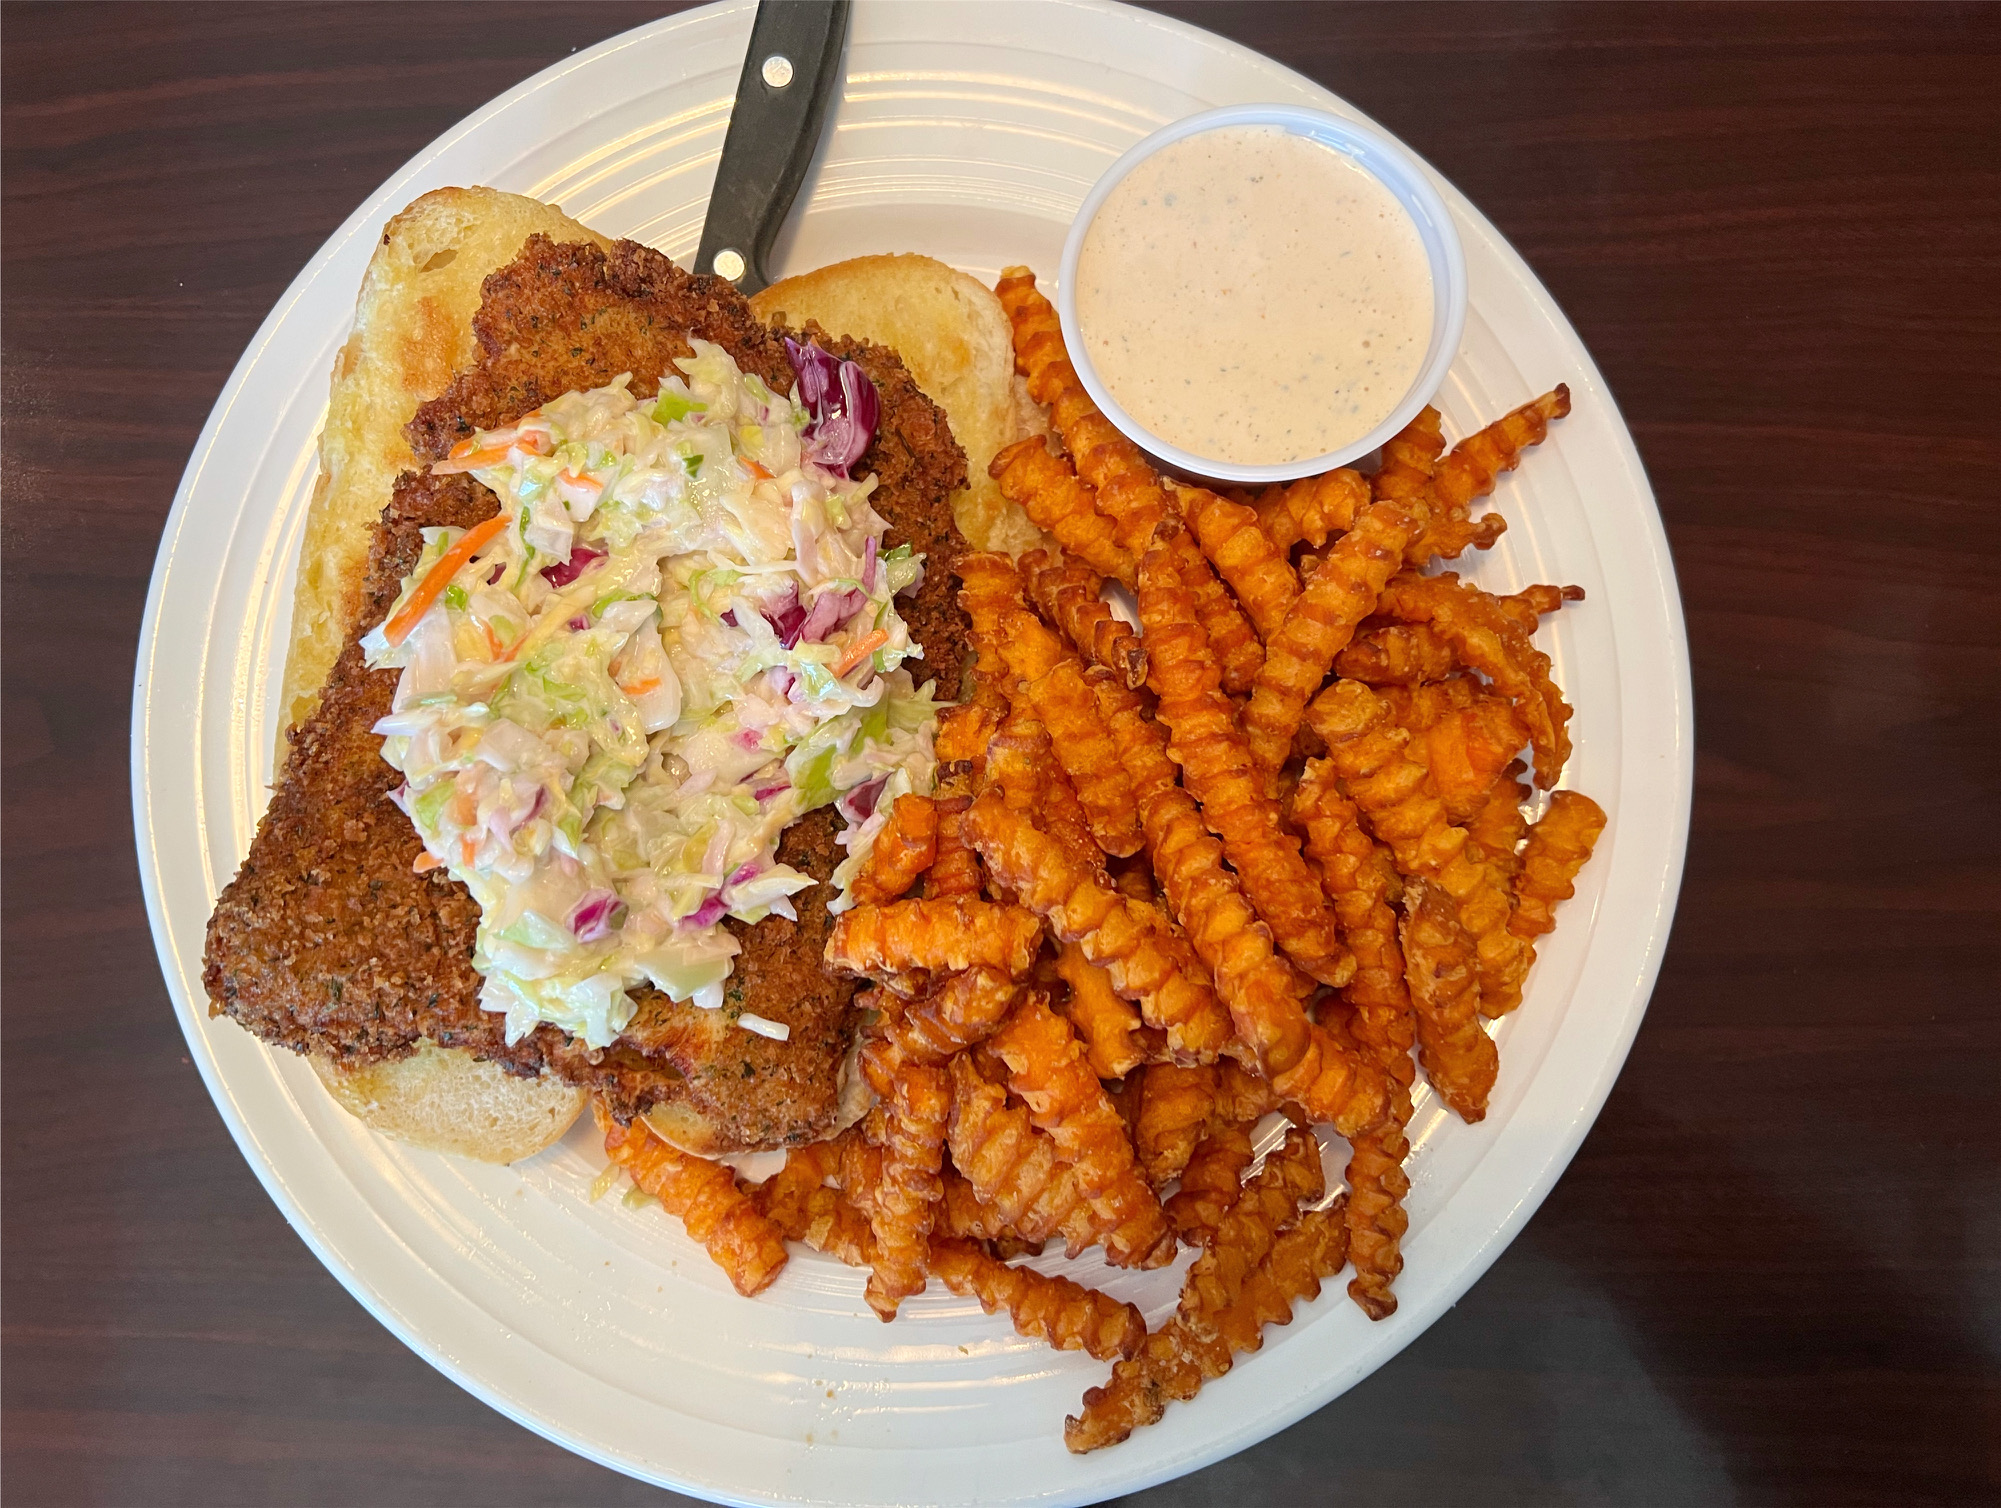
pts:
[576, 479]
[861, 649]
[642, 688]
[492, 640]
[756, 470]
[426, 861]
[466, 851]
[397, 629]
[469, 455]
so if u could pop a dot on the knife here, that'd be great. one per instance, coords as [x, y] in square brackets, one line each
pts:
[790, 75]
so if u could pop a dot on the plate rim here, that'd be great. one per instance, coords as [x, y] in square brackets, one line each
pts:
[1255, 1427]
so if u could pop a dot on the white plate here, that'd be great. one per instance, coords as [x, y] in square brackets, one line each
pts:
[971, 133]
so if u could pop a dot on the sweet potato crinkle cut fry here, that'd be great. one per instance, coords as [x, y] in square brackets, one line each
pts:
[1244, 556]
[1211, 1181]
[1486, 638]
[1104, 1021]
[989, 589]
[903, 850]
[1060, 503]
[1222, 776]
[1069, 1316]
[956, 933]
[1231, 641]
[1311, 510]
[1397, 654]
[1012, 1167]
[1172, 1364]
[744, 1243]
[919, 1102]
[1148, 964]
[1071, 597]
[1559, 844]
[1174, 1109]
[1021, 764]
[1377, 1182]
[955, 868]
[1053, 681]
[1471, 468]
[964, 1010]
[1046, 1068]
[1290, 1178]
[1395, 793]
[1459, 1058]
[1341, 592]
[785, 1197]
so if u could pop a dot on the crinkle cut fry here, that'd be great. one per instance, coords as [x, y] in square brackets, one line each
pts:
[955, 868]
[1290, 1179]
[1377, 1183]
[1021, 764]
[1130, 940]
[1341, 592]
[1467, 748]
[1361, 880]
[1210, 1182]
[989, 589]
[1471, 468]
[1069, 1316]
[1071, 596]
[1311, 510]
[1046, 1068]
[1172, 1365]
[1222, 776]
[1174, 1110]
[1128, 490]
[1397, 654]
[1232, 642]
[1106, 1022]
[745, 1244]
[1498, 828]
[1459, 1058]
[908, 1188]
[1486, 638]
[903, 850]
[1559, 844]
[1264, 581]
[785, 1197]
[1053, 680]
[957, 933]
[1058, 502]
[963, 1010]
[1395, 794]
[1410, 460]
[1012, 1167]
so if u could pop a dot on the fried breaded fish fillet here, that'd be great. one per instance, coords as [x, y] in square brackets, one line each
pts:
[328, 942]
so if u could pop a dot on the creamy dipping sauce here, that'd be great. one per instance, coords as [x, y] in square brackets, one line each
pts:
[1255, 297]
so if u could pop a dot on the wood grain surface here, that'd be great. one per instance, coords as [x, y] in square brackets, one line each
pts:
[1771, 1274]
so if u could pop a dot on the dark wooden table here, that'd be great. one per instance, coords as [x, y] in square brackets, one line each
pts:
[1771, 1274]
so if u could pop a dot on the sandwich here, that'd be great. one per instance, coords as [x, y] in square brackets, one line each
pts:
[624, 609]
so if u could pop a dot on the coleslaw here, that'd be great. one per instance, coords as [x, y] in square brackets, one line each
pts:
[678, 635]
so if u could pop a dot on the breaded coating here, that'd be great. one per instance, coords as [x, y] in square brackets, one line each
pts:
[1312, 509]
[1487, 638]
[919, 1103]
[1147, 962]
[956, 933]
[1340, 593]
[1290, 1178]
[1106, 1023]
[1071, 596]
[1059, 503]
[1172, 1364]
[1559, 844]
[1220, 774]
[1244, 556]
[1175, 1106]
[1068, 1315]
[1459, 1058]
[746, 1245]
[1395, 794]
[1211, 1181]
[903, 850]
[1046, 1068]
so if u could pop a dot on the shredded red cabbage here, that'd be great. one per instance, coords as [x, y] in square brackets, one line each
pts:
[859, 804]
[567, 571]
[786, 619]
[830, 611]
[708, 913]
[843, 403]
[596, 915]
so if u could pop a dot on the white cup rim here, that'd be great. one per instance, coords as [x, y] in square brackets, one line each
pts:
[1397, 171]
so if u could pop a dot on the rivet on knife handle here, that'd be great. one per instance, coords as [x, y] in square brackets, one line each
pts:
[791, 74]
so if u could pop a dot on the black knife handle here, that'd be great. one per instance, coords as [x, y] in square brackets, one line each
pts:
[790, 76]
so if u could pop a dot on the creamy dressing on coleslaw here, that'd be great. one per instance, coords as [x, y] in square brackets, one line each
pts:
[678, 636]
[1254, 296]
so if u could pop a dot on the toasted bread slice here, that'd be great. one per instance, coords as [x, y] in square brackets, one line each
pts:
[954, 336]
[412, 332]
[449, 1101]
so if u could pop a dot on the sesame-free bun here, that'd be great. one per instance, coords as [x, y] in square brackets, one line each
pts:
[449, 1101]
[954, 337]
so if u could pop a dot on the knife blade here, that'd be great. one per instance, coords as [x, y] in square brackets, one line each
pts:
[791, 74]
